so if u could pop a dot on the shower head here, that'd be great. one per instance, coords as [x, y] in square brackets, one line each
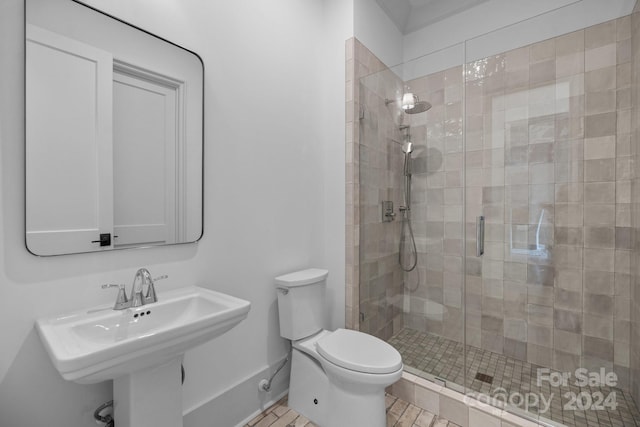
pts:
[410, 104]
[419, 107]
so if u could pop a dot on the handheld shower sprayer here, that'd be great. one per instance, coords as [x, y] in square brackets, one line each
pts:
[409, 103]
[407, 230]
[407, 149]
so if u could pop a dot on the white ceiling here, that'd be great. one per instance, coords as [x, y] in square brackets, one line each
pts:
[412, 15]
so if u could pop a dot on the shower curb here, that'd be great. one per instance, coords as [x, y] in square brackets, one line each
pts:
[463, 410]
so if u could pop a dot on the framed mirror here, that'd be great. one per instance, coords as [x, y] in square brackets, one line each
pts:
[114, 133]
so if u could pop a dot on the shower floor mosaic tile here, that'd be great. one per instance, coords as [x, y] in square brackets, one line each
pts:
[444, 358]
[399, 414]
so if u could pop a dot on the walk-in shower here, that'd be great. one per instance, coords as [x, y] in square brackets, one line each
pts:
[539, 142]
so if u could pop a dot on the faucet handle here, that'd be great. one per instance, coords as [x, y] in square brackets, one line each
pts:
[113, 285]
[164, 276]
[122, 301]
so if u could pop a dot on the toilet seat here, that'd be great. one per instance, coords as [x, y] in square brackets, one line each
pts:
[359, 352]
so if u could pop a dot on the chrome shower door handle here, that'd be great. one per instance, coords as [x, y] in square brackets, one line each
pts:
[479, 236]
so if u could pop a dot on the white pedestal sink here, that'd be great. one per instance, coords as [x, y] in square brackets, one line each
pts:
[149, 397]
[140, 349]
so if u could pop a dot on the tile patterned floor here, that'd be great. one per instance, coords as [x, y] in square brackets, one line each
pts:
[399, 414]
[444, 358]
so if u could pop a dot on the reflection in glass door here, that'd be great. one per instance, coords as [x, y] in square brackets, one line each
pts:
[547, 156]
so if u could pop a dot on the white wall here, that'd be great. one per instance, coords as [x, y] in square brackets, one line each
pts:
[272, 204]
[338, 27]
[377, 32]
[500, 25]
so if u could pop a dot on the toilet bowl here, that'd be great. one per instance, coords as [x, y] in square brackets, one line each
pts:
[338, 377]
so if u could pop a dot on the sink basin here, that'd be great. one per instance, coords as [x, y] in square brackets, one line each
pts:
[89, 346]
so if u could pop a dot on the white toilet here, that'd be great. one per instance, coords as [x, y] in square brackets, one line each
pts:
[338, 378]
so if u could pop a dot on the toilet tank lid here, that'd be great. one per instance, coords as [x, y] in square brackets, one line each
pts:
[301, 278]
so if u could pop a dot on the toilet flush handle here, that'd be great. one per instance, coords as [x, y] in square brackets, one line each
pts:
[283, 290]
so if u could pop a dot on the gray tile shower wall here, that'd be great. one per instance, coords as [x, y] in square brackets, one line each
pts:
[374, 292]
[381, 165]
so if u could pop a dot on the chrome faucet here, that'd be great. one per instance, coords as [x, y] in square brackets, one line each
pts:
[138, 298]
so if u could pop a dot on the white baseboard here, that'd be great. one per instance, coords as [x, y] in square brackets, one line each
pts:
[237, 405]
[267, 405]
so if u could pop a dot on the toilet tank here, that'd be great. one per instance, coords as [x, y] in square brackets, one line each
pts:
[301, 302]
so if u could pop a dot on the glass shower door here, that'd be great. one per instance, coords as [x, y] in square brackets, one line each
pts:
[519, 210]
[547, 130]
[434, 309]
[411, 212]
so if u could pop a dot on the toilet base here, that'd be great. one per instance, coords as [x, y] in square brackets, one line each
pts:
[336, 403]
[308, 388]
[356, 410]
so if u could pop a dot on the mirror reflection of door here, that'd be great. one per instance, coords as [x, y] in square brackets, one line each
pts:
[129, 187]
[69, 134]
[114, 134]
[147, 155]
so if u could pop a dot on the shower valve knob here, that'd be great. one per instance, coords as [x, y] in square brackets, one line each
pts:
[387, 211]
